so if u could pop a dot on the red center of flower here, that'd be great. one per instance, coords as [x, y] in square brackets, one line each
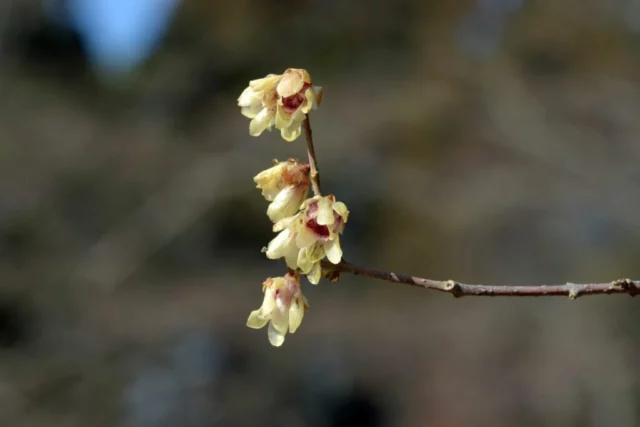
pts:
[293, 102]
[320, 230]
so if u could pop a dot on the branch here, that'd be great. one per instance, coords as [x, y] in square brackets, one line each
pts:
[313, 162]
[457, 289]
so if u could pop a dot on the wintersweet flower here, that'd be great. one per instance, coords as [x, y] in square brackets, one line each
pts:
[296, 97]
[324, 221]
[280, 100]
[285, 185]
[259, 103]
[283, 308]
[310, 235]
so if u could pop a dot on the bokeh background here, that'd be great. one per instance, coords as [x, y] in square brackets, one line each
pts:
[486, 141]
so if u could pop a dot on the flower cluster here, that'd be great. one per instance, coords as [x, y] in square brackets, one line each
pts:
[280, 100]
[308, 229]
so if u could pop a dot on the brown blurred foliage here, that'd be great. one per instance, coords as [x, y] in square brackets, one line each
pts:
[494, 141]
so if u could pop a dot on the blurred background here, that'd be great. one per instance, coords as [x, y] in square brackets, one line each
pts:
[489, 141]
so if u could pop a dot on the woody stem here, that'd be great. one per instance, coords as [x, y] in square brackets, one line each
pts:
[457, 289]
[313, 162]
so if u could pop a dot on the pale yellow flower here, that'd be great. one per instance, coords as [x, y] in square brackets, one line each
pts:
[285, 185]
[283, 308]
[280, 100]
[296, 97]
[324, 221]
[259, 103]
[307, 237]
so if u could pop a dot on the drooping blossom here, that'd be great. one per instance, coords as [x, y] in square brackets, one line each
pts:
[280, 100]
[283, 308]
[307, 237]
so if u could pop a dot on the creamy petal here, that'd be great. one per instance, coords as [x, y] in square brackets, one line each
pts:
[310, 99]
[304, 262]
[291, 257]
[316, 252]
[283, 120]
[292, 132]
[281, 304]
[296, 313]
[305, 237]
[279, 245]
[250, 102]
[269, 302]
[299, 117]
[270, 180]
[248, 97]
[275, 338]
[287, 202]
[280, 320]
[333, 251]
[270, 193]
[342, 210]
[256, 320]
[304, 74]
[310, 201]
[314, 274]
[325, 212]
[263, 120]
[265, 83]
[290, 84]
[284, 246]
[285, 222]
[251, 111]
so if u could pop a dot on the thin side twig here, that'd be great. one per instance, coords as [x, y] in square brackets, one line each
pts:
[457, 289]
[313, 162]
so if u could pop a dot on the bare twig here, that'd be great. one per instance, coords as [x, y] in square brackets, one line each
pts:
[313, 162]
[457, 289]
[571, 290]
